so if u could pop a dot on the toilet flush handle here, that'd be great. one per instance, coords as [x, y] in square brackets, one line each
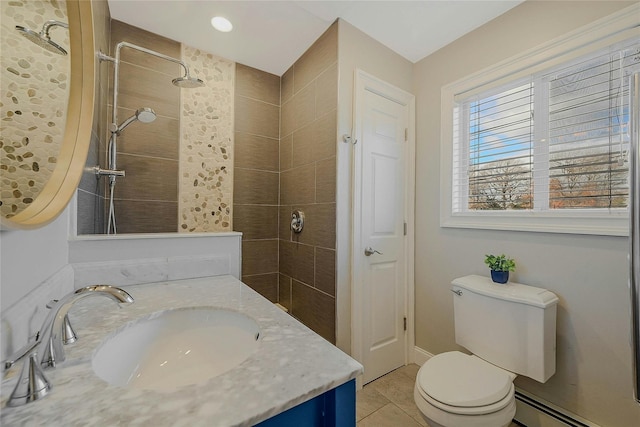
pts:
[457, 292]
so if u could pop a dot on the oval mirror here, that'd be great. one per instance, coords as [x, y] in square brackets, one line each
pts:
[46, 107]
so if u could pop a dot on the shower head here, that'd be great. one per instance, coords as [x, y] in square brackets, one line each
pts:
[42, 38]
[187, 82]
[143, 115]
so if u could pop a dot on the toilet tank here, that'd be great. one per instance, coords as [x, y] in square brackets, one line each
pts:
[512, 326]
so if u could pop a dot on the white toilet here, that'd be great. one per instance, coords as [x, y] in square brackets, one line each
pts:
[511, 330]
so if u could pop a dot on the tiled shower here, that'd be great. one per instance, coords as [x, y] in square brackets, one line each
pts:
[296, 270]
[283, 152]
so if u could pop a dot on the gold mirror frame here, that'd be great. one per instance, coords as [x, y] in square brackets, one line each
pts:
[64, 180]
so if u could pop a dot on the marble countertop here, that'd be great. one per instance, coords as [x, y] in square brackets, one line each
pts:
[291, 366]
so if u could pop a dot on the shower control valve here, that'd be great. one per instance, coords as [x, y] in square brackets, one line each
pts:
[297, 221]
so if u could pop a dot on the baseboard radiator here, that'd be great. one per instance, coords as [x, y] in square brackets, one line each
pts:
[533, 412]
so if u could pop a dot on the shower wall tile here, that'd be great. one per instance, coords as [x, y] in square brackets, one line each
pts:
[256, 221]
[324, 228]
[325, 271]
[143, 87]
[286, 86]
[288, 118]
[256, 152]
[147, 197]
[315, 309]
[265, 284]
[206, 156]
[315, 141]
[121, 32]
[307, 182]
[298, 185]
[259, 257]
[257, 117]
[89, 181]
[326, 180]
[256, 180]
[319, 225]
[256, 84]
[146, 216]
[327, 98]
[305, 106]
[145, 179]
[286, 152]
[325, 138]
[296, 261]
[284, 291]
[86, 220]
[91, 192]
[255, 187]
[284, 230]
[90, 202]
[320, 56]
[303, 140]
[104, 69]
[156, 139]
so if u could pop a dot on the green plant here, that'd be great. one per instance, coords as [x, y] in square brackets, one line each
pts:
[500, 263]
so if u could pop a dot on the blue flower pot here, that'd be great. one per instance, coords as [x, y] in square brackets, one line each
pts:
[500, 276]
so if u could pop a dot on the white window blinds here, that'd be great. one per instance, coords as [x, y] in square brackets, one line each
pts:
[500, 150]
[554, 142]
[589, 133]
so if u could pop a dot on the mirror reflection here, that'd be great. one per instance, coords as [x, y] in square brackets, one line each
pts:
[34, 82]
[171, 169]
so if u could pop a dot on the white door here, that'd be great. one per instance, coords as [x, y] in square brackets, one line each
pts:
[380, 253]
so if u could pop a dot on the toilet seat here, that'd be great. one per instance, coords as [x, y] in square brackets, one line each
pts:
[466, 385]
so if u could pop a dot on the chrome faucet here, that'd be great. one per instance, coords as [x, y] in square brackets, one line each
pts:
[47, 349]
[50, 350]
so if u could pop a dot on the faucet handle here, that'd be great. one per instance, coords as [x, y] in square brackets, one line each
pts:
[68, 334]
[20, 353]
[32, 384]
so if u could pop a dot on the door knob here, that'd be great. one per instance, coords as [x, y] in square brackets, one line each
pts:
[370, 251]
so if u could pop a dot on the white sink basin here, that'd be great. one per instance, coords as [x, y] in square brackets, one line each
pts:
[176, 348]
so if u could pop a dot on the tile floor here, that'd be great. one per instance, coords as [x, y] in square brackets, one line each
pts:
[388, 401]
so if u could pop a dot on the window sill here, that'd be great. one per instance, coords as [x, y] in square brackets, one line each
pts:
[615, 224]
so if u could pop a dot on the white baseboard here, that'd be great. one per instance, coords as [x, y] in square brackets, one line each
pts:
[420, 356]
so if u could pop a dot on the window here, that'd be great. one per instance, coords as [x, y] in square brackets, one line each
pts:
[543, 148]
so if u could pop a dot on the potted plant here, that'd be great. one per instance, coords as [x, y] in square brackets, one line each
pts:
[500, 267]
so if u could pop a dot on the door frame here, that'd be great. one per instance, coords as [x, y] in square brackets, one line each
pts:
[367, 82]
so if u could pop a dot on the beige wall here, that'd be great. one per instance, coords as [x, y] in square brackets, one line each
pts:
[588, 273]
[356, 50]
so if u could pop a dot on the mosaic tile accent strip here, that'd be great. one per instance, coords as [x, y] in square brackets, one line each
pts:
[206, 149]
[33, 100]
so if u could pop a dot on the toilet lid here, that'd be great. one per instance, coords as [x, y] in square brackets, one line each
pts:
[457, 379]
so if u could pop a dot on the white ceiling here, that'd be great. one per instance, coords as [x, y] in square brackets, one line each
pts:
[271, 35]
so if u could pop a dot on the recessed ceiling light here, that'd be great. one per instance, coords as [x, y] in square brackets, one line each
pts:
[221, 24]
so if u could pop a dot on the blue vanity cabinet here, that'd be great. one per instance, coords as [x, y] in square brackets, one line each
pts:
[334, 408]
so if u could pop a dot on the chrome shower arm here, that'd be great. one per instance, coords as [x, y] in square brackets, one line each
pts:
[52, 23]
[150, 52]
[116, 70]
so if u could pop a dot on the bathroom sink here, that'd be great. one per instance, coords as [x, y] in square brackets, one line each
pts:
[176, 348]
